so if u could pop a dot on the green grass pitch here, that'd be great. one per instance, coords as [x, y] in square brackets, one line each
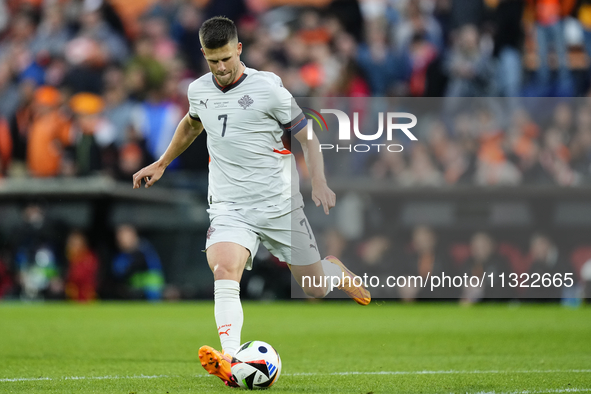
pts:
[326, 347]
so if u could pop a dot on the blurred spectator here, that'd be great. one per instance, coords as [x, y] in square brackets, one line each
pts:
[132, 158]
[186, 33]
[15, 50]
[485, 259]
[555, 158]
[137, 267]
[167, 10]
[418, 23]
[422, 55]
[583, 13]
[421, 170]
[388, 165]
[563, 121]
[4, 15]
[118, 107]
[546, 259]
[10, 95]
[349, 83]
[586, 279]
[508, 40]
[94, 148]
[447, 153]
[493, 168]
[52, 33]
[86, 59]
[580, 145]
[469, 66]
[5, 280]
[5, 147]
[94, 27]
[424, 258]
[81, 279]
[35, 244]
[156, 29]
[47, 135]
[334, 243]
[144, 71]
[20, 36]
[382, 66]
[549, 31]
[156, 120]
[523, 148]
[376, 258]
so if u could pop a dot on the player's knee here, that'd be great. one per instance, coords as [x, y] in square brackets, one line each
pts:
[226, 270]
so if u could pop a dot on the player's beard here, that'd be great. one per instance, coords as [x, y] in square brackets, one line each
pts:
[226, 79]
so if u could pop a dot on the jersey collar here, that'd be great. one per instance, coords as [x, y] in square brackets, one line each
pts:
[227, 88]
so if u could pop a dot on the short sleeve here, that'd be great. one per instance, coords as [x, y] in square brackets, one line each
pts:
[192, 102]
[285, 110]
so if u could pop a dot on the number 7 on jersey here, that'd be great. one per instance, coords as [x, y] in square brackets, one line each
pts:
[225, 117]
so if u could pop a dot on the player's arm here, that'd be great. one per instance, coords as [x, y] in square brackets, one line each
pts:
[321, 193]
[186, 132]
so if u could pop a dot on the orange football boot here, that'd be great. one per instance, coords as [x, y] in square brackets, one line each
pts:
[218, 364]
[360, 294]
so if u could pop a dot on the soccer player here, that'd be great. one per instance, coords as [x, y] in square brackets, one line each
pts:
[253, 190]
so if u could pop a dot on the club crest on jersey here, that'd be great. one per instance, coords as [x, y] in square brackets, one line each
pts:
[245, 101]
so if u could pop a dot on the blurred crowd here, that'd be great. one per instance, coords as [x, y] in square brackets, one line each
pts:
[98, 86]
[43, 258]
[46, 260]
[547, 145]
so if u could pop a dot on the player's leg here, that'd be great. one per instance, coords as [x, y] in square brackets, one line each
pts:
[311, 279]
[227, 261]
[293, 242]
[335, 275]
[230, 245]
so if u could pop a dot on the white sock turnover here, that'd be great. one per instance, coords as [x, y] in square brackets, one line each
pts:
[330, 269]
[228, 314]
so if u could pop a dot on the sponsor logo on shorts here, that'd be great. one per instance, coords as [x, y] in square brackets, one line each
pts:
[210, 231]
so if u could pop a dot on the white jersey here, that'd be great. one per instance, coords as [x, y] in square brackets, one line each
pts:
[249, 166]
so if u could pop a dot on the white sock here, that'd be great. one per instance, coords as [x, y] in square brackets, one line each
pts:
[228, 313]
[330, 269]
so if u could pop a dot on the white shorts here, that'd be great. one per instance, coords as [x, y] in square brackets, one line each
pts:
[287, 236]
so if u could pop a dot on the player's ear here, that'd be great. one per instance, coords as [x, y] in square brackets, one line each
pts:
[203, 52]
[239, 48]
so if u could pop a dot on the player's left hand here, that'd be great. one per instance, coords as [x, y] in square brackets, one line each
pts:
[150, 174]
[321, 194]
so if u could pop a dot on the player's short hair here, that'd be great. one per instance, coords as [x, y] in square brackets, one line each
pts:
[217, 32]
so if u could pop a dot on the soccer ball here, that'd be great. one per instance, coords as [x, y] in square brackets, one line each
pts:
[256, 365]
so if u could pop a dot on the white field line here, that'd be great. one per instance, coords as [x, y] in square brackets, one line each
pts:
[447, 372]
[573, 390]
[108, 377]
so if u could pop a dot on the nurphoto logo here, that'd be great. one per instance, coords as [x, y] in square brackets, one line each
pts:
[392, 119]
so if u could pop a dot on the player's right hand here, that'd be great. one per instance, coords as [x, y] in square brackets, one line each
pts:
[149, 174]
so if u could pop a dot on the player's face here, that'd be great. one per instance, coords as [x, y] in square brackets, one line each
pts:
[224, 62]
